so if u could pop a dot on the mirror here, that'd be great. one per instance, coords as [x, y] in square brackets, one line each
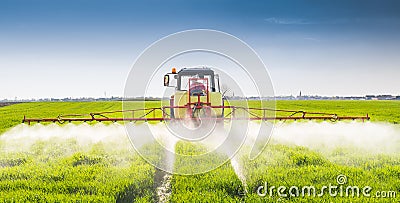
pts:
[170, 80]
[166, 80]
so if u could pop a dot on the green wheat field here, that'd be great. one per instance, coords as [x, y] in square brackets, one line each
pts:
[64, 171]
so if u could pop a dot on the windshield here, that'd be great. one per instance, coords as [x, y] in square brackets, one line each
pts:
[184, 84]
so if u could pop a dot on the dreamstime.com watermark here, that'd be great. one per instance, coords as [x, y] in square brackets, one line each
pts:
[339, 189]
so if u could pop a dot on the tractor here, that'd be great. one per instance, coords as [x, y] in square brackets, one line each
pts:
[197, 90]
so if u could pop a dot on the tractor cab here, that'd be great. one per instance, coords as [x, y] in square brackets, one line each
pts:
[194, 88]
[194, 78]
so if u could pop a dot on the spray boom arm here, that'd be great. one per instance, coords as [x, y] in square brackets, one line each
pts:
[161, 114]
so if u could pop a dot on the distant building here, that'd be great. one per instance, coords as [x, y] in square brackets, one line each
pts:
[381, 97]
[385, 97]
[370, 97]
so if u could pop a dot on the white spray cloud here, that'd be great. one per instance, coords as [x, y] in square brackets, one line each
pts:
[369, 137]
[22, 137]
[374, 137]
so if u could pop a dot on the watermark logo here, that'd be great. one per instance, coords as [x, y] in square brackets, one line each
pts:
[341, 179]
[338, 189]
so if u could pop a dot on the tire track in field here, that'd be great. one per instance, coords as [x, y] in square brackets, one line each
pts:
[162, 179]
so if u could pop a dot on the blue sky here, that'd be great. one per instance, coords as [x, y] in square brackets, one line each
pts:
[85, 48]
